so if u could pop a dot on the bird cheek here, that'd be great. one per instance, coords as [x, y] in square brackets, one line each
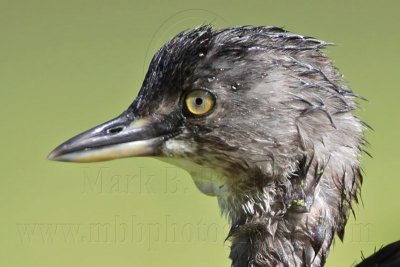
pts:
[177, 148]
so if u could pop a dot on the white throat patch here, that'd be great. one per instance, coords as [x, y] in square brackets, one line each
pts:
[209, 180]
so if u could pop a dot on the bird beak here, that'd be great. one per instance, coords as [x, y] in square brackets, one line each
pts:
[124, 136]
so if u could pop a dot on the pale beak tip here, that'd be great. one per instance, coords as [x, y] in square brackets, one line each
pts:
[55, 155]
[52, 155]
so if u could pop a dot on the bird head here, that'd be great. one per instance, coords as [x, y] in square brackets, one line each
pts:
[210, 99]
[257, 115]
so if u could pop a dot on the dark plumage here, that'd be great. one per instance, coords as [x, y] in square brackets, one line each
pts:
[388, 256]
[279, 147]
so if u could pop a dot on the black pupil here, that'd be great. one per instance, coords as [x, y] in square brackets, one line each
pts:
[199, 101]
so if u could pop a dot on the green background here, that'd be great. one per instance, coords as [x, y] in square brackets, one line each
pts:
[68, 65]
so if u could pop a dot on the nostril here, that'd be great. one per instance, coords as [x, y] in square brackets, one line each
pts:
[115, 130]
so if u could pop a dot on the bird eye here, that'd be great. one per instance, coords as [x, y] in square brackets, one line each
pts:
[199, 102]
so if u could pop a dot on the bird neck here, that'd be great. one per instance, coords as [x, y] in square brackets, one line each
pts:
[287, 217]
[290, 221]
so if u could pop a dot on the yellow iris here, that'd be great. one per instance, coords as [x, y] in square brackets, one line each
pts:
[199, 102]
